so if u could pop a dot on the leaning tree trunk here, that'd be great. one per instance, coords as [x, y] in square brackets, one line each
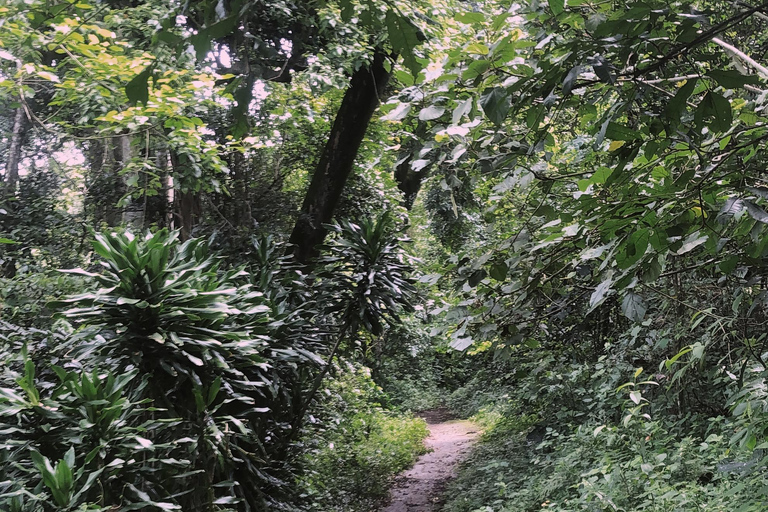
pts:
[338, 157]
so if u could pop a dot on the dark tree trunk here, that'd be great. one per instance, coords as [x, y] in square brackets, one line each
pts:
[104, 184]
[18, 132]
[409, 181]
[241, 214]
[156, 207]
[187, 203]
[338, 157]
[189, 212]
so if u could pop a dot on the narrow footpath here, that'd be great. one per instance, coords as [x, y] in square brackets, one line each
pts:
[420, 489]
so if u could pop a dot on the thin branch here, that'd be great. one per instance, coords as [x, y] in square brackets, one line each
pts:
[762, 70]
[703, 38]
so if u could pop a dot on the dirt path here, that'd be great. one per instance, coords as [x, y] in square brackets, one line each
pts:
[420, 488]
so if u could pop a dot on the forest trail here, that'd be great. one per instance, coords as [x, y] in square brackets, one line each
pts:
[420, 488]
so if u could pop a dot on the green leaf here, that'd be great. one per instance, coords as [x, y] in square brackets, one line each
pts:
[347, 10]
[495, 103]
[137, 89]
[728, 264]
[668, 363]
[600, 293]
[615, 131]
[222, 28]
[677, 104]
[477, 49]
[691, 242]
[462, 344]
[634, 249]
[557, 6]
[633, 307]
[570, 79]
[398, 113]
[431, 113]
[499, 271]
[470, 18]
[213, 390]
[601, 175]
[168, 38]
[717, 110]
[404, 37]
[476, 277]
[756, 212]
[732, 79]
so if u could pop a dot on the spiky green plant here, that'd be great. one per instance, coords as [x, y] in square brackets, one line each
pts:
[201, 337]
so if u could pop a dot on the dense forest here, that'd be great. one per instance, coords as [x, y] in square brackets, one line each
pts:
[243, 242]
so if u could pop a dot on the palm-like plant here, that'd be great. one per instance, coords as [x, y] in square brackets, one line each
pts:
[165, 307]
[373, 269]
[201, 338]
[365, 279]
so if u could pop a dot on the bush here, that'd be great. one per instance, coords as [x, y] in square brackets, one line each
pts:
[637, 464]
[356, 446]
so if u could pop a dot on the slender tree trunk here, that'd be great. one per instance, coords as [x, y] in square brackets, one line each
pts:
[241, 209]
[156, 206]
[187, 203]
[133, 212]
[338, 158]
[8, 190]
[18, 133]
[189, 210]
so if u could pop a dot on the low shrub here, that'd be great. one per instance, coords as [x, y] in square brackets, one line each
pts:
[523, 465]
[355, 446]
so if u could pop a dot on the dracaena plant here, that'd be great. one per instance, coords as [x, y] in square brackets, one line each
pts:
[202, 337]
[69, 440]
[363, 282]
[372, 270]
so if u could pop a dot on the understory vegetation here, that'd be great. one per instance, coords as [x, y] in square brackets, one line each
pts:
[244, 243]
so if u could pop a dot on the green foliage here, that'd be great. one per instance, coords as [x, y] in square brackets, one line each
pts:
[182, 382]
[650, 468]
[525, 465]
[370, 264]
[93, 424]
[25, 299]
[415, 371]
[202, 341]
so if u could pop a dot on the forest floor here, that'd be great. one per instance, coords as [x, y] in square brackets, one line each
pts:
[420, 489]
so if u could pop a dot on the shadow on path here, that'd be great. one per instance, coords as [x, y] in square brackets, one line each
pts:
[420, 488]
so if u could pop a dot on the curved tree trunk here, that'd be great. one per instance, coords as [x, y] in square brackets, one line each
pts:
[338, 157]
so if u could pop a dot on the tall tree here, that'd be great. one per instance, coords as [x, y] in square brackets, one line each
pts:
[338, 157]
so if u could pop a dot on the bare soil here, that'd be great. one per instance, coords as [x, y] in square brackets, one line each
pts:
[420, 489]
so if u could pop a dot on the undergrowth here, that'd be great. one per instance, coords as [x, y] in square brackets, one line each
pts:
[528, 462]
[356, 446]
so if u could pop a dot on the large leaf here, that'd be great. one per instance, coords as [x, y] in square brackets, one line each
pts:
[404, 37]
[732, 79]
[633, 307]
[600, 294]
[137, 89]
[557, 6]
[495, 102]
[715, 111]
